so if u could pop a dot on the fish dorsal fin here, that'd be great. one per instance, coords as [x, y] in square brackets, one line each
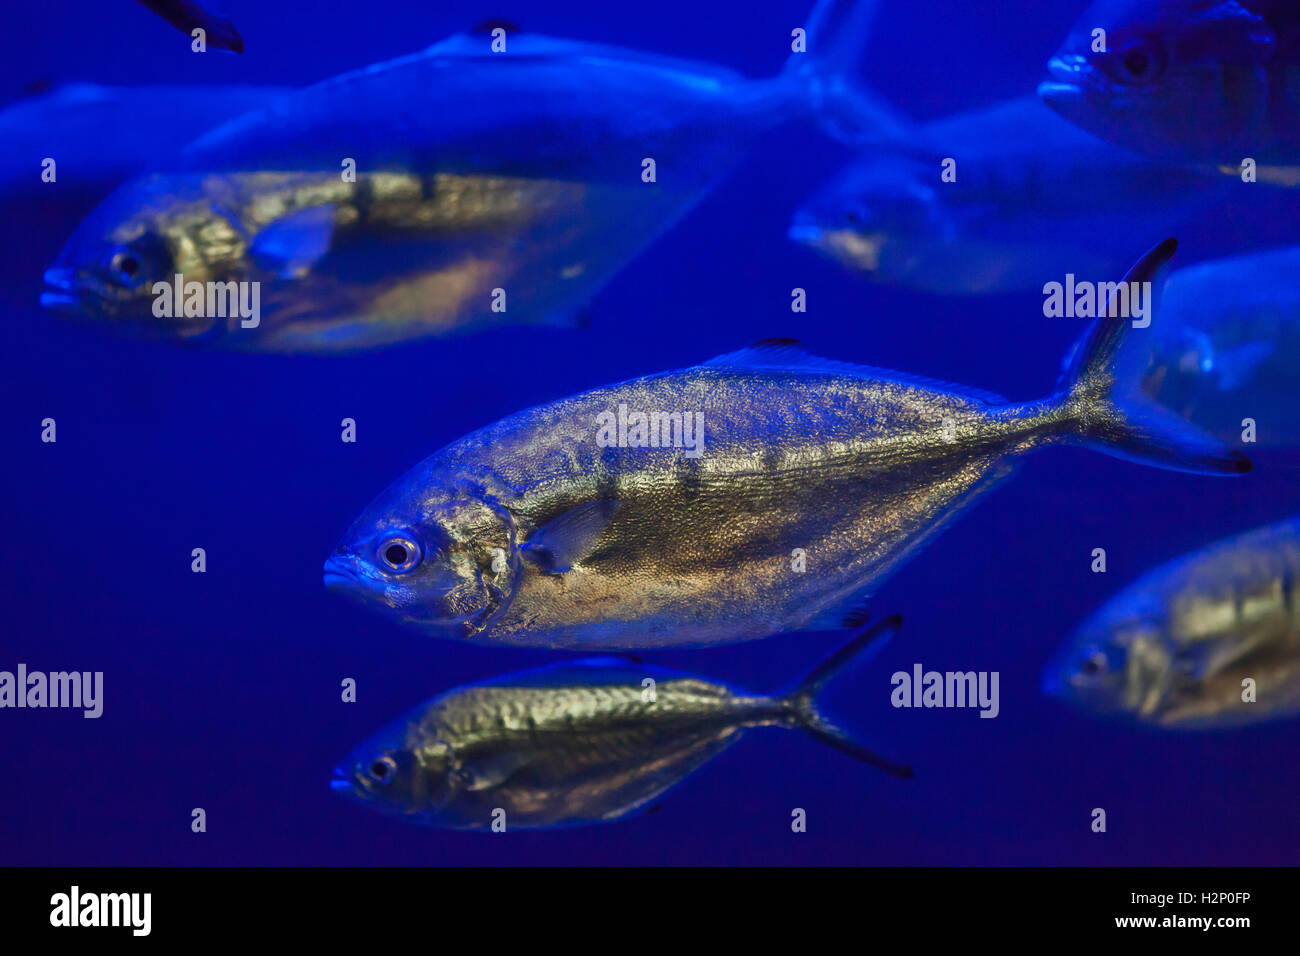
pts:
[788, 354]
[476, 46]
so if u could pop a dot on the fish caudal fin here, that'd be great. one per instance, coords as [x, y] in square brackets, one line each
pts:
[1103, 403]
[801, 702]
[823, 72]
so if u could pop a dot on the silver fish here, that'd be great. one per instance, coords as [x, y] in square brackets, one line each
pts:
[1225, 346]
[1196, 81]
[1035, 197]
[576, 743]
[1175, 648]
[576, 524]
[484, 188]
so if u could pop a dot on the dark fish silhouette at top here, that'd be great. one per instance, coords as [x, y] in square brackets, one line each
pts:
[186, 16]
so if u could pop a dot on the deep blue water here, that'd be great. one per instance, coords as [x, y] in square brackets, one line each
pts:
[222, 689]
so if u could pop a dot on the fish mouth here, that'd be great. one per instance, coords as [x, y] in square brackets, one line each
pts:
[1072, 80]
[343, 574]
[340, 577]
[60, 293]
[341, 781]
[806, 233]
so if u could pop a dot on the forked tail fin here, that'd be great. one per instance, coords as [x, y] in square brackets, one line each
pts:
[825, 76]
[802, 700]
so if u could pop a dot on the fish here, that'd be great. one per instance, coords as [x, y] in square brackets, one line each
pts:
[443, 192]
[779, 489]
[1176, 648]
[101, 136]
[580, 742]
[1203, 82]
[1224, 348]
[188, 15]
[1034, 198]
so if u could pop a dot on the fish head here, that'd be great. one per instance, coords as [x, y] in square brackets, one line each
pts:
[869, 216]
[444, 561]
[1177, 79]
[882, 217]
[1182, 369]
[1116, 665]
[124, 259]
[404, 770]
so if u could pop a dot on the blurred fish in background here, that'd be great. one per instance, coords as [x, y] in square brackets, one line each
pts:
[580, 742]
[463, 187]
[1034, 198]
[101, 136]
[1209, 640]
[1201, 82]
[1224, 346]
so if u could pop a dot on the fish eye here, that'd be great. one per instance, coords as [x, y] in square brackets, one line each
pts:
[400, 553]
[1141, 62]
[125, 267]
[382, 769]
[130, 265]
[1094, 664]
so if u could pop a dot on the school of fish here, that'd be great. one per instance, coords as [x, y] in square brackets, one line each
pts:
[766, 490]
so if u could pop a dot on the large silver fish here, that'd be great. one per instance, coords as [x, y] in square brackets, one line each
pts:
[764, 491]
[454, 189]
[1198, 81]
[1176, 648]
[583, 742]
[1225, 346]
[1034, 198]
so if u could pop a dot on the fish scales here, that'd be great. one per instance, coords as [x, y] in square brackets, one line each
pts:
[578, 742]
[858, 476]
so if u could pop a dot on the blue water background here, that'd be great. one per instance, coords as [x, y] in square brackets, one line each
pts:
[223, 689]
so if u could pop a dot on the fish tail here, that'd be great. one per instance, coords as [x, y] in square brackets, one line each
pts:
[822, 76]
[1100, 401]
[800, 703]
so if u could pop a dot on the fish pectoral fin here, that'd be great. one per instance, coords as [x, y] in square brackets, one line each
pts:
[492, 771]
[289, 247]
[564, 541]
